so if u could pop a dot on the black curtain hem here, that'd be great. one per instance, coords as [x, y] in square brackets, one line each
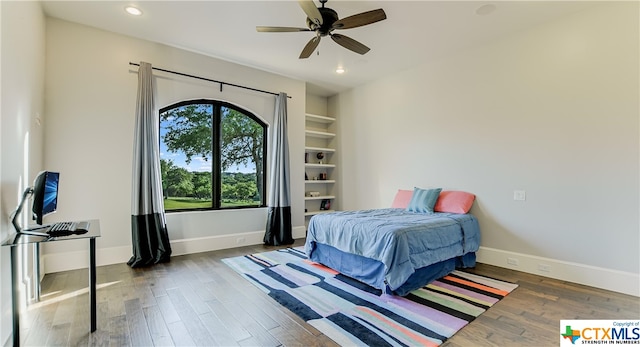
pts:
[279, 230]
[150, 241]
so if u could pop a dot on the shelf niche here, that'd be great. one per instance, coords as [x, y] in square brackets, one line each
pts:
[319, 137]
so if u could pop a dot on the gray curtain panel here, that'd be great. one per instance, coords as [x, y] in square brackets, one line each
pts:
[148, 227]
[278, 230]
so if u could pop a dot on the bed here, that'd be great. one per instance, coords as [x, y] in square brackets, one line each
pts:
[397, 249]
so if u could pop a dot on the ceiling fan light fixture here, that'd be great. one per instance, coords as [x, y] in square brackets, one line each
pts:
[134, 11]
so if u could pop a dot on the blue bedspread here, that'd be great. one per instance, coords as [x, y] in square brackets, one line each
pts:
[402, 241]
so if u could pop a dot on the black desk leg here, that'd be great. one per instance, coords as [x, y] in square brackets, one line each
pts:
[92, 281]
[15, 296]
[36, 270]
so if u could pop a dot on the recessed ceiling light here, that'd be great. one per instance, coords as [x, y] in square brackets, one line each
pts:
[133, 10]
[340, 70]
[485, 9]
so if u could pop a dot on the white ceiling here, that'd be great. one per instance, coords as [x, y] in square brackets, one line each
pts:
[414, 32]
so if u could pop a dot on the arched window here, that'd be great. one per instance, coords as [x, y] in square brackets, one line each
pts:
[212, 156]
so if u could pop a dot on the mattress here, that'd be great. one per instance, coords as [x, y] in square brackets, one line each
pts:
[400, 243]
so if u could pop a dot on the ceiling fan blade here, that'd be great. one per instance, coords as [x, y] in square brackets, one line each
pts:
[263, 29]
[311, 10]
[350, 43]
[360, 19]
[310, 47]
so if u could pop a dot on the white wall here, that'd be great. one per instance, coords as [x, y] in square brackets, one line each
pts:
[553, 111]
[90, 101]
[22, 97]
[316, 105]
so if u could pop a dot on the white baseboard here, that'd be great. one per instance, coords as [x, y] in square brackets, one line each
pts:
[614, 280]
[65, 261]
[609, 279]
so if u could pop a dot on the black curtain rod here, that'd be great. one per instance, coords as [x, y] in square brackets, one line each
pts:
[210, 80]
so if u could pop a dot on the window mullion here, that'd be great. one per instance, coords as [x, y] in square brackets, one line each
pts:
[216, 173]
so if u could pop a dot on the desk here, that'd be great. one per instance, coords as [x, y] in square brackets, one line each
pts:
[21, 239]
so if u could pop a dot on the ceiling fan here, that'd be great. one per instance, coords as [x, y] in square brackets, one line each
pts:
[324, 21]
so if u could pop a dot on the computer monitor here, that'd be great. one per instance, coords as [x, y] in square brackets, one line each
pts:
[45, 195]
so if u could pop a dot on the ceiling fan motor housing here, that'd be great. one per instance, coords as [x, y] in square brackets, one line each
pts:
[329, 16]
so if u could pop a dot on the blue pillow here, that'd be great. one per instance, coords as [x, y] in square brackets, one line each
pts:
[423, 200]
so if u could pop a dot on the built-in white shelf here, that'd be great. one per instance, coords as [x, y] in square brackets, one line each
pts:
[319, 134]
[319, 197]
[319, 137]
[312, 213]
[327, 166]
[319, 119]
[319, 149]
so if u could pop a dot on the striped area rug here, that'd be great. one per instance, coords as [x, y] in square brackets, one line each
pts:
[352, 313]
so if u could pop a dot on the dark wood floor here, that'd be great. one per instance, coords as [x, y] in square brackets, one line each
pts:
[196, 300]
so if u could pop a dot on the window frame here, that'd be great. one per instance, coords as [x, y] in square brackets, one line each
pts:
[216, 152]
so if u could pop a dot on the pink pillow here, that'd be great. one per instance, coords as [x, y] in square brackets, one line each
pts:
[402, 199]
[454, 201]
